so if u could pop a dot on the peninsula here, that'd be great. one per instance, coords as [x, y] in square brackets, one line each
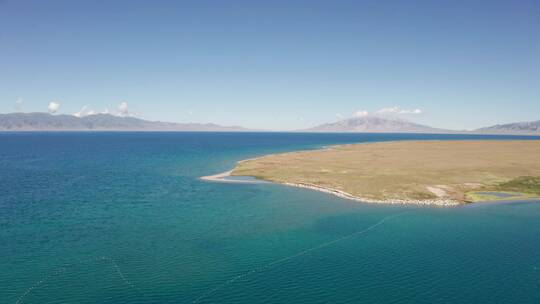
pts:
[444, 173]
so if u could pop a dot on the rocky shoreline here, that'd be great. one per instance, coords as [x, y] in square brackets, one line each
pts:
[441, 202]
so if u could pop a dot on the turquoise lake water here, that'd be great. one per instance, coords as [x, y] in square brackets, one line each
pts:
[123, 218]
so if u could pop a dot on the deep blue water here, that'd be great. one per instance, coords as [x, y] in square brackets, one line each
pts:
[123, 218]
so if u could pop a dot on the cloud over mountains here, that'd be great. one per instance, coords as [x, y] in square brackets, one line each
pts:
[122, 110]
[395, 110]
[53, 107]
[398, 110]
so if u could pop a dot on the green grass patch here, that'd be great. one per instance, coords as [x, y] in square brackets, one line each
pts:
[524, 184]
[523, 187]
[490, 196]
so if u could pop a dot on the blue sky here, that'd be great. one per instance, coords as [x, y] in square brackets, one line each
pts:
[274, 64]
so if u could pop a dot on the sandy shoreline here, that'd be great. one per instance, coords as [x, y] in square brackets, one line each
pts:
[222, 178]
[217, 177]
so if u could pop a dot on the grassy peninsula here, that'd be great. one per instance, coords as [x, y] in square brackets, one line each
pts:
[421, 172]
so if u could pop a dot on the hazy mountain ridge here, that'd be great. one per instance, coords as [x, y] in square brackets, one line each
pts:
[106, 122]
[375, 124]
[526, 127]
[98, 122]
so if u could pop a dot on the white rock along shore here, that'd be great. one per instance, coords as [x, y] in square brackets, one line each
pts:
[442, 202]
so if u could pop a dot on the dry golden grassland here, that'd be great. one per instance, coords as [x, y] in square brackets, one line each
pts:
[410, 170]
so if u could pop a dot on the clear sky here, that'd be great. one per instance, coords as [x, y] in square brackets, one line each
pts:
[274, 64]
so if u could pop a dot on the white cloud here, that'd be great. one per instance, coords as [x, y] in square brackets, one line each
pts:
[398, 110]
[339, 116]
[53, 107]
[85, 111]
[18, 104]
[361, 113]
[123, 109]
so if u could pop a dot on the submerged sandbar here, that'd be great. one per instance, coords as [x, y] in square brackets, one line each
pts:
[419, 172]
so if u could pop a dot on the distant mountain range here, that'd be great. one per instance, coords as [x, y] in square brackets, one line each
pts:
[376, 124]
[98, 122]
[389, 124]
[107, 122]
[526, 127]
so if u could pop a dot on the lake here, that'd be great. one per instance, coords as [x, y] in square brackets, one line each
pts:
[123, 218]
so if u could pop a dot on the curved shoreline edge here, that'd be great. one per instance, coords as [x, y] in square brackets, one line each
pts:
[444, 180]
[440, 202]
[222, 178]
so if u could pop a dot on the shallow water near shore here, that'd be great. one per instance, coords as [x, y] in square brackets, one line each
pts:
[499, 194]
[124, 218]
